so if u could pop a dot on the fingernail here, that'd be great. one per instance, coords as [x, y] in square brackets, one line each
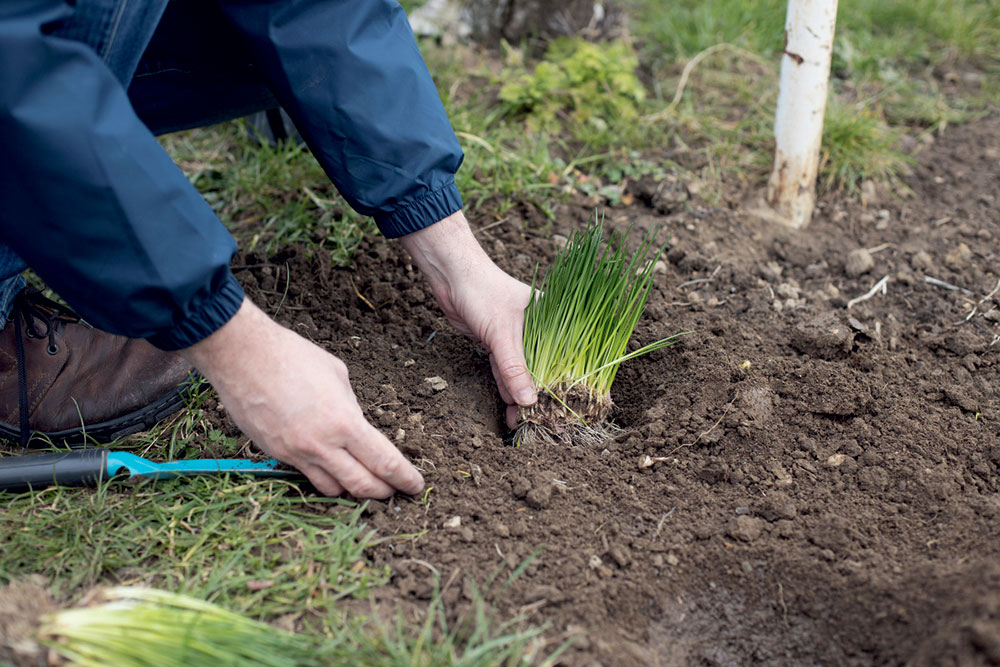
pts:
[526, 397]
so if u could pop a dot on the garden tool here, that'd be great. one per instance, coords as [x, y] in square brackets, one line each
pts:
[88, 467]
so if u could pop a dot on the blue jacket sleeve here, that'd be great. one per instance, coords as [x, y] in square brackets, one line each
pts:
[351, 76]
[93, 203]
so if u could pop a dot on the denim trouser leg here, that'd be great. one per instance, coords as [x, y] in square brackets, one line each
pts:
[11, 280]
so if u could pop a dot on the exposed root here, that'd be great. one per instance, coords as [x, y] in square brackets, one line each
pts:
[576, 416]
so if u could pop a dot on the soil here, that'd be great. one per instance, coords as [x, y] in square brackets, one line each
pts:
[825, 478]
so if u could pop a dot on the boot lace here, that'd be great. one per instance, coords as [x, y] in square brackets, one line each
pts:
[31, 309]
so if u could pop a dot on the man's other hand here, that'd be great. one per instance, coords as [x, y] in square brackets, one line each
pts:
[294, 400]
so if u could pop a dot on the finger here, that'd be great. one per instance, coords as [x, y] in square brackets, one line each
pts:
[320, 479]
[513, 370]
[512, 416]
[379, 456]
[355, 477]
[504, 393]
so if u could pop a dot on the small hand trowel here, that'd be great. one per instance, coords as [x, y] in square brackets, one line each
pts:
[88, 467]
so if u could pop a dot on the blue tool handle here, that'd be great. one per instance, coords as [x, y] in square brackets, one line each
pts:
[80, 467]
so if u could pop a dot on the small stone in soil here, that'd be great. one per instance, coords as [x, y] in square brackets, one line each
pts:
[453, 522]
[836, 460]
[858, 261]
[436, 383]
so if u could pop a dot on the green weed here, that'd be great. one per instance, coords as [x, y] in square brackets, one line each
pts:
[590, 84]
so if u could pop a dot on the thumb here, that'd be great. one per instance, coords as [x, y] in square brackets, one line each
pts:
[508, 354]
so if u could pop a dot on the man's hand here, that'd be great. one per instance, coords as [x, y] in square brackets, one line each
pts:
[480, 300]
[295, 401]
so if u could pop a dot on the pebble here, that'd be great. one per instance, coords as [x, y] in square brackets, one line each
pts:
[787, 291]
[453, 522]
[400, 435]
[858, 261]
[436, 383]
[672, 559]
[836, 460]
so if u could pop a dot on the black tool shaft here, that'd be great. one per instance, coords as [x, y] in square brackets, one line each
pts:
[81, 467]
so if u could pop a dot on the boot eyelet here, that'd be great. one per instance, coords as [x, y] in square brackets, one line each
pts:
[52, 348]
[30, 333]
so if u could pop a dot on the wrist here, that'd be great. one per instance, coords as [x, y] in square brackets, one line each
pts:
[446, 251]
[227, 348]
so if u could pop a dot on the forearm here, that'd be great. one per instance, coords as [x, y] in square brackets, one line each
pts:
[94, 204]
[446, 252]
[351, 76]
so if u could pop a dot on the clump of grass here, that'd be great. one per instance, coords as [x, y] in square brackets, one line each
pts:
[577, 328]
[857, 146]
[143, 626]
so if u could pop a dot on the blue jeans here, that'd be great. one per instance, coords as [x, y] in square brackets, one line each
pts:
[208, 80]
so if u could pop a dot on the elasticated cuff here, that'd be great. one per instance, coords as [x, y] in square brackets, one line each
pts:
[205, 320]
[424, 212]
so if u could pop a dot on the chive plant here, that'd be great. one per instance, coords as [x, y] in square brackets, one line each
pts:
[141, 627]
[577, 326]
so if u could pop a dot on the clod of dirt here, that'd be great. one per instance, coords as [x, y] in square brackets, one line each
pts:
[824, 336]
[745, 528]
[550, 594]
[540, 496]
[859, 261]
[519, 487]
[21, 604]
[620, 555]
[921, 261]
[958, 256]
[776, 506]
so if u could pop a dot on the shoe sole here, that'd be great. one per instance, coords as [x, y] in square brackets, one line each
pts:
[113, 429]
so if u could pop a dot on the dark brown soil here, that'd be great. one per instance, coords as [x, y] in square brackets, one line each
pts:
[828, 483]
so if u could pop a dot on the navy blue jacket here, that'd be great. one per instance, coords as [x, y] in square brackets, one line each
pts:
[92, 203]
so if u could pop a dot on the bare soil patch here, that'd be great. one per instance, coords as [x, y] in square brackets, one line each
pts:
[826, 484]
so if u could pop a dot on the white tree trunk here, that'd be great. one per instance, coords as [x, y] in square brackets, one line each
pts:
[798, 125]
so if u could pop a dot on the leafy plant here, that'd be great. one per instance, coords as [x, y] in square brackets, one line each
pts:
[577, 328]
[594, 84]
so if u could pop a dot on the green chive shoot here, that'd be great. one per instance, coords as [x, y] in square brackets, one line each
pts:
[139, 627]
[577, 327]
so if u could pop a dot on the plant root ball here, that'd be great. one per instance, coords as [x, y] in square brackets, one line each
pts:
[573, 416]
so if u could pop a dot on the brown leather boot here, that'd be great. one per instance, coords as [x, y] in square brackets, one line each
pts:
[63, 379]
